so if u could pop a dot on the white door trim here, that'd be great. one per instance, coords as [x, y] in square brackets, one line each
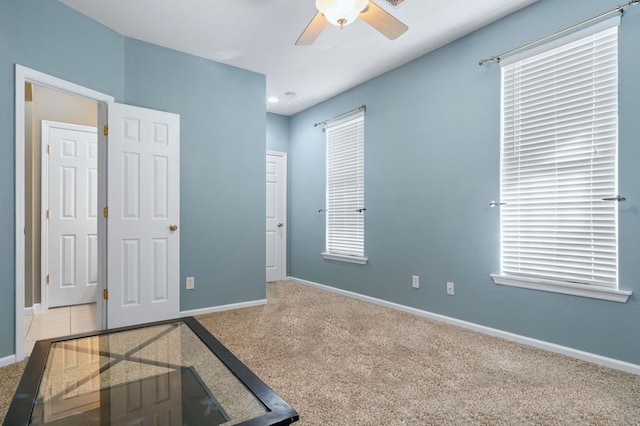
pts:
[26, 75]
[283, 155]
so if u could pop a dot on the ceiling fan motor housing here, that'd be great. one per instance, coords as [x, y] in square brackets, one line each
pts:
[344, 12]
[341, 12]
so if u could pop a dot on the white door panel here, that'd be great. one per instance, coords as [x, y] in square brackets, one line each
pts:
[276, 217]
[143, 253]
[69, 187]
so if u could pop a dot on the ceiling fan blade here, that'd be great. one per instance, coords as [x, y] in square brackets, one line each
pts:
[383, 21]
[313, 30]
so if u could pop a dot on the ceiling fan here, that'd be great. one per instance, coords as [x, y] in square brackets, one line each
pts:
[344, 12]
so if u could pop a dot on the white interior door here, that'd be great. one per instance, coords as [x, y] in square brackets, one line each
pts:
[69, 194]
[143, 196]
[276, 216]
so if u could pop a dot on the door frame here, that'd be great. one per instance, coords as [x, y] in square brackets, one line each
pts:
[25, 75]
[283, 155]
[44, 197]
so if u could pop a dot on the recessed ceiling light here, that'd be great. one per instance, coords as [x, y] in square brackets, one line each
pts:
[273, 100]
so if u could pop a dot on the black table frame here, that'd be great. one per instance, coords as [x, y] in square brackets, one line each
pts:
[278, 411]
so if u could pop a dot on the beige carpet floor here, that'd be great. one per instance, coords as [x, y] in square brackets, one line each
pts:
[9, 379]
[340, 361]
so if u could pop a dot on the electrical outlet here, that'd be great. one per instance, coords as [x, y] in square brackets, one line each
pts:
[415, 281]
[450, 289]
[190, 283]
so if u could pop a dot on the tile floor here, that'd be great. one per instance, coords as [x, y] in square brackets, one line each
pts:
[57, 322]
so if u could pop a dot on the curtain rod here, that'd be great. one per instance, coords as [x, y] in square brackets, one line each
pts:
[586, 21]
[362, 107]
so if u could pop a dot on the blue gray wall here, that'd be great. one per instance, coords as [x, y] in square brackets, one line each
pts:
[277, 132]
[222, 152]
[222, 173]
[432, 136]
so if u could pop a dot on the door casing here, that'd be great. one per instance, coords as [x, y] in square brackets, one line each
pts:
[25, 75]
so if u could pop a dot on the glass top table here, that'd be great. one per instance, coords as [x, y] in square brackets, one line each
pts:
[165, 373]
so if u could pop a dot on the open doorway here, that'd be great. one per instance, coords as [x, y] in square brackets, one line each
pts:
[27, 262]
[61, 288]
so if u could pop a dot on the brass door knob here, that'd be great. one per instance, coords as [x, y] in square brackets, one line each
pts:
[173, 227]
[280, 225]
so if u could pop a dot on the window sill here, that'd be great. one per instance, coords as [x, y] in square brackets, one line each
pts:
[582, 290]
[345, 258]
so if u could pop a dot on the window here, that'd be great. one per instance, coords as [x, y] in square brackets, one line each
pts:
[345, 190]
[558, 177]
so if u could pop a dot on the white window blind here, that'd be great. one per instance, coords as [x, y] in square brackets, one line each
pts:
[558, 162]
[345, 187]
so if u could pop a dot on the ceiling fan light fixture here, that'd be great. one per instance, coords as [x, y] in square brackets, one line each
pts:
[341, 12]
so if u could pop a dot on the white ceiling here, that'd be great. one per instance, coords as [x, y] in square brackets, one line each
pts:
[259, 35]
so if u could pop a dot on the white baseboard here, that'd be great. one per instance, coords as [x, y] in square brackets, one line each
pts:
[7, 360]
[221, 308]
[540, 344]
[29, 312]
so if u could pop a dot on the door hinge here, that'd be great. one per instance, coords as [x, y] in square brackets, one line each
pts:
[48, 214]
[48, 278]
[105, 130]
[105, 294]
[105, 212]
[48, 149]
